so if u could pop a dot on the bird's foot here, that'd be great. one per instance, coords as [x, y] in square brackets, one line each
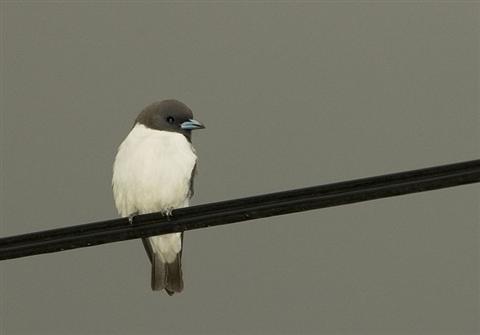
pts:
[131, 217]
[168, 212]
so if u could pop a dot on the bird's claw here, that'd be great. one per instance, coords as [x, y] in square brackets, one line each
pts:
[168, 212]
[131, 217]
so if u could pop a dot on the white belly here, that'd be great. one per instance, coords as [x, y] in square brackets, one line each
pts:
[151, 173]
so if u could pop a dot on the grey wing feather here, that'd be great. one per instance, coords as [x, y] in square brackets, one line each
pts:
[148, 248]
[192, 177]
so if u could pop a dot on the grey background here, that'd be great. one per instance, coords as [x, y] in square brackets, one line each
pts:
[293, 94]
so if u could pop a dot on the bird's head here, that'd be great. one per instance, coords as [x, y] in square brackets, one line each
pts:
[169, 115]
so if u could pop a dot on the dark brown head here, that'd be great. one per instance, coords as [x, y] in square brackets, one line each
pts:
[169, 115]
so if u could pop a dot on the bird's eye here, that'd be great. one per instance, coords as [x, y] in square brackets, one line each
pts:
[170, 119]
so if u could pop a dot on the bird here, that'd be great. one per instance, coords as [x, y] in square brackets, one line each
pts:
[153, 171]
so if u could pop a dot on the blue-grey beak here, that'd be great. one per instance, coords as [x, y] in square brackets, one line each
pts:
[192, 124]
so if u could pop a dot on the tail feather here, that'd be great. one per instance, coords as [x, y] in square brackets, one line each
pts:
[166, 276]
[159, 273]
[174, 282]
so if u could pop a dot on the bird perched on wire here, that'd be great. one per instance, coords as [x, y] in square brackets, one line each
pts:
[153, 172]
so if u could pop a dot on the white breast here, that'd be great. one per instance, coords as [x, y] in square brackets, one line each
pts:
[152, 171]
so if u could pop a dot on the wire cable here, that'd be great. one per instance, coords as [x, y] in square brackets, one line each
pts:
[239, 210]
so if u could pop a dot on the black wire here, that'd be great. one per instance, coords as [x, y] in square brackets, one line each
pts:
[238, 210]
